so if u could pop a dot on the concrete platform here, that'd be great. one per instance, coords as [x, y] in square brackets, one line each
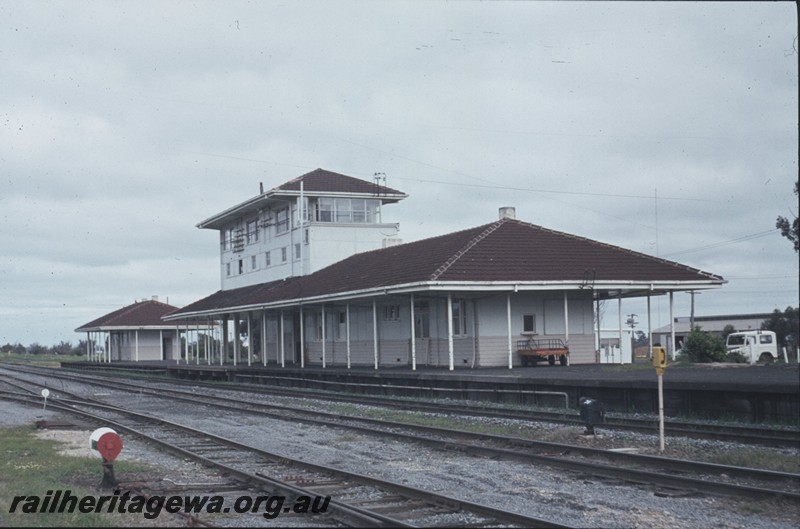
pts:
[756, 393]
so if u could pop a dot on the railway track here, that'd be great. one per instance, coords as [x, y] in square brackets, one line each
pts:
[659, 472]
[761, 435]
[355, 500]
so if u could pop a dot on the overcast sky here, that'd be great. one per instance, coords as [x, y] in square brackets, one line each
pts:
[666, 128]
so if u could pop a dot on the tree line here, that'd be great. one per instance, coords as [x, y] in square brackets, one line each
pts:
[62, 348]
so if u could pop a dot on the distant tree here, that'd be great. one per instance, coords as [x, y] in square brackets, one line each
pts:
[37, 349]
[728, 329]
[640, 339]
[785, 325]
[7, 348]
[791, 230]
[63, 348]
[79, 349]
[19, 349]
[703, 347]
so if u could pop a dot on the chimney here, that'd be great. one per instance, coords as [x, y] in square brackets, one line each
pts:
[261, 187]
[508, 212]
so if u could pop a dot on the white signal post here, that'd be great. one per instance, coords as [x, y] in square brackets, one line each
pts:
[659, 355]
[45, 394]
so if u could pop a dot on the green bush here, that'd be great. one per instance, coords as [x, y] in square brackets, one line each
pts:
[703, 347]
[735, 357]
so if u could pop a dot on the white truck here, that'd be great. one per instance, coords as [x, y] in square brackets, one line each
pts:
[756, 346]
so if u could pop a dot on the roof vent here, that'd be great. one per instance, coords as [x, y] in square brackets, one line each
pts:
[508, 213]
[155, 298]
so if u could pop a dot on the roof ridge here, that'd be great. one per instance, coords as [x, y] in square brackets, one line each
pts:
[471, 244]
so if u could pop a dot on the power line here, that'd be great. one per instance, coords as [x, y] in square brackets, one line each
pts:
[723, 243]
[462, 184]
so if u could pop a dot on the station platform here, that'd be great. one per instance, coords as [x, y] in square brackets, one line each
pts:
[756, 393]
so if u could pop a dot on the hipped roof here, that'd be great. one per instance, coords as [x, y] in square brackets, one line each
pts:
[319, 182]
[500, 255]
[141, 314]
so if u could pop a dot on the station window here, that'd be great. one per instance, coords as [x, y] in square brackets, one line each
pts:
[341, 325]
[227, 269]
[459, 317]
[284, 255]
[268, 260]
[241, 266]
[529, 323]
[422, 319]
[391, 313]
[253, 263]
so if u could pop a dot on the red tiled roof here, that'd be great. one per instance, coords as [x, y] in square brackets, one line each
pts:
[322, 181]
[507, 250]
[139, 314]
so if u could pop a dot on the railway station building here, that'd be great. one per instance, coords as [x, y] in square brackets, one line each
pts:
[311, 274]
[134, 332]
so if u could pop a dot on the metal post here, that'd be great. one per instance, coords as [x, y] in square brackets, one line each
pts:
[282, 341]
[619, 316]
[661, 411]
[224, 344]
[413, 337]
[249, 341]
[597, 305]
[450, 330]
[566, 320]
[508, 322]
[237, 344]
[197, 335]
[375, 331]
[302, 339]
[347, 332]
[649, 328]
[137, 345]
[672, 323]
[323, 336]
[264, 338]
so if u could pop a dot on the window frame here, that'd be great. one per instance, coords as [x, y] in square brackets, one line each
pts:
[282, 219]
[526, 329]
[459, 321]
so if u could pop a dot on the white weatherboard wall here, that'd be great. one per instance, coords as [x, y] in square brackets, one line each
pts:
[305, 248]
[330, 243]
[489, 343]
[149, 344]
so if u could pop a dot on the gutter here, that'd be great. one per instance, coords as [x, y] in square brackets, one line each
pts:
[440, 286]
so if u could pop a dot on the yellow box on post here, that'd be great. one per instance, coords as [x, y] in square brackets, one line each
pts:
[659, 359]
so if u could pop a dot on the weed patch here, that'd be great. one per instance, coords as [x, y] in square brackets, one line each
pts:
[31, 467]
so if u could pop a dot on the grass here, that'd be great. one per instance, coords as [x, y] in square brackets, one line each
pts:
[31, 467]
[47, 360]
[755, 457]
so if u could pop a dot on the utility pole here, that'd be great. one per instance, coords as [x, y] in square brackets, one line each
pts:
[691, 316]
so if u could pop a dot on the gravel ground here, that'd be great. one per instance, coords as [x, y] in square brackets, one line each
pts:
[577, 501]
[566, 498]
